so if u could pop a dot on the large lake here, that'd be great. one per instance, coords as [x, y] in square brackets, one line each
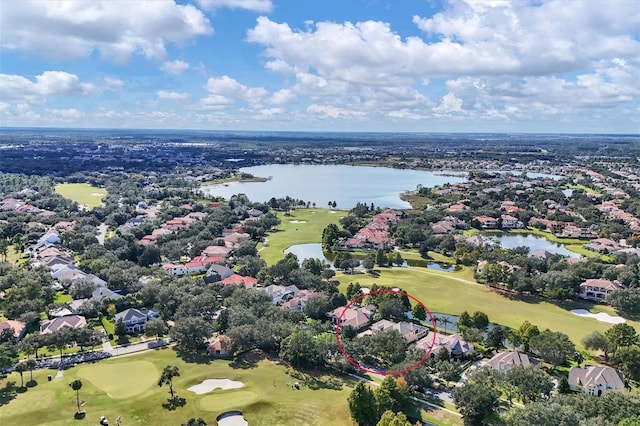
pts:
[346, 185]
[533, 242]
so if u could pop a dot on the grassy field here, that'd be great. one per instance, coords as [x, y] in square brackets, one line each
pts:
[82, 193]
[127, 387]
[301, 227]
[451, 293]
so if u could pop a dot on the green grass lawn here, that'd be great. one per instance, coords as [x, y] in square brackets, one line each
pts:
[127, 387]
[62, 297]
[82, 193]
[12, 256]
[451, 293]
[306, 228]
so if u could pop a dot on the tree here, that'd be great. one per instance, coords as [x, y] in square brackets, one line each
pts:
[389, 418]
[476, 401]
[317, 307]
[169, 372]
[419, 312]
[628, 358]
[369, 262]
[21, 367]
[330, 235]
[626, 301]
[191, 332]
[76, 385]
[496, 336]
[464, 320]
[531, 383]
[552, 346]
[392, 309]
[120, 329]
[381, 258]
[155, 327]
[480, 320]
[31, 365]
[598, 342]
[621, 335]
[195, 422]
[523, 335]
[300, 348]
[362, 405]
[353, 290]
[398, 260]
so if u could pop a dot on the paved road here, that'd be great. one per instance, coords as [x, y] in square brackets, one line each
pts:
[135, 347]
[101, 232]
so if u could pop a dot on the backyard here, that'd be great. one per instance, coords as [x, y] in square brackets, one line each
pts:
[82, 193]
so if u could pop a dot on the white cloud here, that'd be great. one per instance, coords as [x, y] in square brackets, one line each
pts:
[176, 67]
[283, 97]
[75, 29]
[262, 6]
[49, 83]
[449, 104]
[229, 88]
[333, 112]
[173, 96]
[113, 83]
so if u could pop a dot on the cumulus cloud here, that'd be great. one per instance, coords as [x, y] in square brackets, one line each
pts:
[75, 29]
[49, 83]
[262, 6]
[226, 91]
[176, 67]
[173, 96]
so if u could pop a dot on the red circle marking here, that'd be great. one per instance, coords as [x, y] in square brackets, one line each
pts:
[385, 373]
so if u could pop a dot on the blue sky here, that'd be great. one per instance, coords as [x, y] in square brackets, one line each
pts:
[322, 65]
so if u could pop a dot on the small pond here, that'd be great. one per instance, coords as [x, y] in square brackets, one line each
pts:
[533, 242]
[314, 251]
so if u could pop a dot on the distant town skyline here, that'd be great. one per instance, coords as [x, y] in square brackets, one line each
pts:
[322, 65]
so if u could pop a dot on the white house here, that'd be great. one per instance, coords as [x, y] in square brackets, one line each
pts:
[135, 319]
[598, 289]
[595, 380]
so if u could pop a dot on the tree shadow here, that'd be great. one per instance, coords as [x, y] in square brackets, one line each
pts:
[315, 380]
[192, 357]
[32, 383]
[21, 389]
[8, 393]
[174, 403]
[249, 359]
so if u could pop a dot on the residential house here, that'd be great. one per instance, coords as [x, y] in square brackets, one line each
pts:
[220, 346]
[603, 245]
[357, 317]
[18, 327]
[454, 344]
[217, 273]
[53, 325]
[511, 222]
[408, 330]
[216, 251]
[249, 282]
[595, 380]
[487, 222]
[504, 361]
[299, 301]
[280, 293]
[135, 319]
[177, 269]
[597, 289]
[102, 293]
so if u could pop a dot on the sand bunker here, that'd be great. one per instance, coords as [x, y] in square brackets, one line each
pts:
[211, 384]
[231, 418]
[297, 221]
[600, 316]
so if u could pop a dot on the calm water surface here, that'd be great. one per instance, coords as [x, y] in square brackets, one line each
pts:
[346, 185]
[533, 242]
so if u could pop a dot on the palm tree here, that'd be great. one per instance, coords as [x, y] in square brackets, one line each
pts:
[31, 365]
[169, 372]
[76, 385]
[444, 321]
[21, 367]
